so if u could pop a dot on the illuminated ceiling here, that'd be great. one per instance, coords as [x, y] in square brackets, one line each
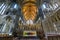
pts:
[29, 11]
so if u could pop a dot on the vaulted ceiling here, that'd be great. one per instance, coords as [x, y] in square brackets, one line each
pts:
[29, 8]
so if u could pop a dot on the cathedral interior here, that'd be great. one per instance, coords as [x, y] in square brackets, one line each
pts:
[29, 19]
